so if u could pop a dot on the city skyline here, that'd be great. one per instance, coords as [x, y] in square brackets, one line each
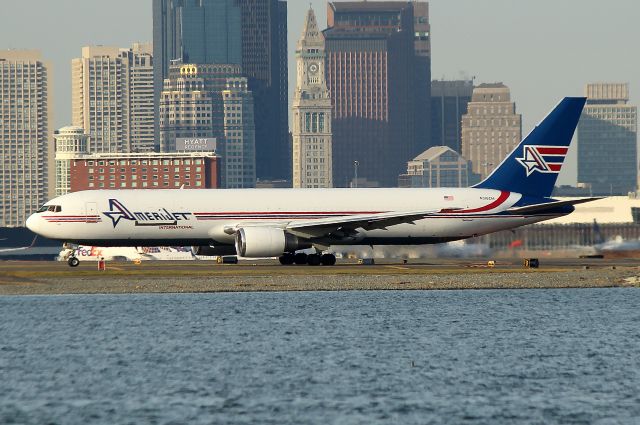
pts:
[541, 67]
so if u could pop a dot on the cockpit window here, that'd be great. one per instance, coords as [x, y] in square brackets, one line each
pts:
[50, 208]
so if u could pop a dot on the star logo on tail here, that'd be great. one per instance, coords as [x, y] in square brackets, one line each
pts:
[543, 159]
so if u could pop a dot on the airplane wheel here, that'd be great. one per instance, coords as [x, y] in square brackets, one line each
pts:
[328, 259]
[286, 259]
[313, 260]
[73, 262]
[300, 258]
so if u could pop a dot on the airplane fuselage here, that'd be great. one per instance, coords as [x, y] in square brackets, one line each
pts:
[209, 217]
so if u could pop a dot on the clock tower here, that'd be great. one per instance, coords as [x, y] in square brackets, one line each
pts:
[312, 164]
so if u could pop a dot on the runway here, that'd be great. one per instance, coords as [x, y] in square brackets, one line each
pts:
[18, 277]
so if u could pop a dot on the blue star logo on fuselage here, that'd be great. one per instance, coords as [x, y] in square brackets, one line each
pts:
[117, 212]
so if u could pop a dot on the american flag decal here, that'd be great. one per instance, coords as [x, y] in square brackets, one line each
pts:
[448, 198]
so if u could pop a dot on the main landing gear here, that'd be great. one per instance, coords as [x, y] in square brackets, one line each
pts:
[301, 258]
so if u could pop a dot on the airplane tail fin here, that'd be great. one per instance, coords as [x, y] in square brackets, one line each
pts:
[533, 166]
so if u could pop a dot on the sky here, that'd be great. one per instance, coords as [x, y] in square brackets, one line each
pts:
[543, 50]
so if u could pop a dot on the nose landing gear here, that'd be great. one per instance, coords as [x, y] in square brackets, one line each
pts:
[70, 255]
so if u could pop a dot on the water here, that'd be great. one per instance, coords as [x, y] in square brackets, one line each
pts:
[486, 357]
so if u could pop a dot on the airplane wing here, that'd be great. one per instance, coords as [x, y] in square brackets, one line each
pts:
[348, 224]
[548, 205]
[22, 248]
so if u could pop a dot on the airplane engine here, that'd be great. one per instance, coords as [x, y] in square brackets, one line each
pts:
[213, 250]
[266, 242]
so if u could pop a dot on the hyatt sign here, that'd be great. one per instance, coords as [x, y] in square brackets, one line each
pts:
[196, 144]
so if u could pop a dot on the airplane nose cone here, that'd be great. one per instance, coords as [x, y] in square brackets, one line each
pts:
[32, 223]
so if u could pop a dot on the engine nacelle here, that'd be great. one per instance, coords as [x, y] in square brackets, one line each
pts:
[266, 242]
[212, 251]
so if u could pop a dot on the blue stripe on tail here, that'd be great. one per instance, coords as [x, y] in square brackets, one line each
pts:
[533, 166]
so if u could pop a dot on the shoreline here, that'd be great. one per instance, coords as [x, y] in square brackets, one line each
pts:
[46, 278]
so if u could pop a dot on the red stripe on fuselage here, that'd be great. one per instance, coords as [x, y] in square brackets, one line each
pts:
[339, 213]
[495, 204]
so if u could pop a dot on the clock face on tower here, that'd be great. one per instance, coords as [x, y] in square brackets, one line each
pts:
[313, 68]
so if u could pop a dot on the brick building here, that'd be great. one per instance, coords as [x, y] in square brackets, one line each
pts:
[145, 171]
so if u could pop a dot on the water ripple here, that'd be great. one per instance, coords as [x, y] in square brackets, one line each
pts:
[482, 357]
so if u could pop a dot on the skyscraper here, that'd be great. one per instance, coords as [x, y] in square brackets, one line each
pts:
[70, 142]
[312, 154]
[239, 162]
[491, 128]
[379, 82]
[186, 108]
[211, 101]
[250, 33]
[26, 170]
[112, 97]
[607, 140]
[422, 82]
[449, 100]
[141, 112]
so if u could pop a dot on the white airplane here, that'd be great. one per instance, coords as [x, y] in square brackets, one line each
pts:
[279, 222]
[128, 253]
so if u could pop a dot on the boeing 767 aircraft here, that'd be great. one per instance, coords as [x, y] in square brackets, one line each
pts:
[279, 222]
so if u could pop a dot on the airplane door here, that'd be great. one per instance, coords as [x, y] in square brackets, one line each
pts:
[91, 211]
